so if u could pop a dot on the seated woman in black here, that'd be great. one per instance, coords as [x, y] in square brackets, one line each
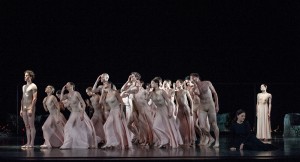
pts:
[243, 138]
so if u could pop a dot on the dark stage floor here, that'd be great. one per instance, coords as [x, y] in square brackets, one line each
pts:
[289, 150]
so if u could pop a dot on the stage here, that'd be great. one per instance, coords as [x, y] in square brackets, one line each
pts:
[289, 150]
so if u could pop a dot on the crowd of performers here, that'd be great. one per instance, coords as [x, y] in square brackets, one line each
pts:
[160, 114]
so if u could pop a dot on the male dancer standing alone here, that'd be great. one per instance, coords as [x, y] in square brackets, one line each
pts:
[27, 111]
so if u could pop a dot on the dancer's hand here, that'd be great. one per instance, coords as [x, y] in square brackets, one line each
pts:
[29, 112]
[99, 78]
[82, 117]
[88, 102]
[217, 109]
[129, 78]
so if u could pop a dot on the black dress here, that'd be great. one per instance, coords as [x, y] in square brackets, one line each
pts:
[241, 133]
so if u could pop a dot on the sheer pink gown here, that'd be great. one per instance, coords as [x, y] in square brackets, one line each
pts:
[79, 133]
[145, 120]
[164, 127]
[53, 128]
[263, 120]
[186, 120]
[115, 127]
[98, 121]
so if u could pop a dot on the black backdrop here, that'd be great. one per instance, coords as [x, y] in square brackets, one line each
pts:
[237, 45]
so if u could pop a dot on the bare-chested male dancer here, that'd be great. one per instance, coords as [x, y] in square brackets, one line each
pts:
[27, 111]
[209, 106]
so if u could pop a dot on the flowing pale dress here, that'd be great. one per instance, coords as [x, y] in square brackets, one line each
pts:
[164, 127]
[79, 133]
[53, 130]
[263, 120]
[115, 127]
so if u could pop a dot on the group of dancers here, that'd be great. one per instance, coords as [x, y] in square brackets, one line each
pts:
[162, 114]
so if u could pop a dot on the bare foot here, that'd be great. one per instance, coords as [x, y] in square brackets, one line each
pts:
[216, 145]
[24, 146]
[205, 141]
[211, 141]
[44, 146]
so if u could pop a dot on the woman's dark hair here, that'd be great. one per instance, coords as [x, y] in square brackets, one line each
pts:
[89, 88]
[156, 80]
[137, 75]
[72, 84]
[195, 75]
[237, 113]
[265, 85]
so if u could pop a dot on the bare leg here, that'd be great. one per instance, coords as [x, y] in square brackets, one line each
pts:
[196, 124]
[211, 139]
[130, 125]
[32, 129]
[47, 131]
[27, 128]
[212, 117]
[202, 117]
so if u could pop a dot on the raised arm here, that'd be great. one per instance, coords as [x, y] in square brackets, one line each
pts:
[96, 89]
[62, 95]
[127, 84]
